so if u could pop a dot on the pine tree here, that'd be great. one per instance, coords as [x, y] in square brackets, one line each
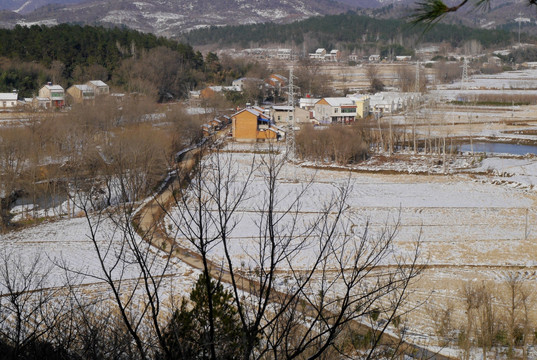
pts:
[188, 336]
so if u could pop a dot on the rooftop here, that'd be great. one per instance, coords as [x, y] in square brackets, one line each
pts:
[54, 87]
[83, 87]
[97, 83]
[8, 96]
[283, 108]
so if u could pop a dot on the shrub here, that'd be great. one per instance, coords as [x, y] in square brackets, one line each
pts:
[335, 143]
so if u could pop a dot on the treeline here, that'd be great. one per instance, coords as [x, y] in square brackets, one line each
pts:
[130, 60]
[50, 154]
[83, 45]
[350, 30]
[339, 144]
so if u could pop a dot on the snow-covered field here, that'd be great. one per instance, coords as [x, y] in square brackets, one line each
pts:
[64, 249]
[446, 209]
[478, 225]
[474, 225]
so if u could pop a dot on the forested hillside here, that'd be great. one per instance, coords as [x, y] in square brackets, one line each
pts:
[350, 30]
[129, 60]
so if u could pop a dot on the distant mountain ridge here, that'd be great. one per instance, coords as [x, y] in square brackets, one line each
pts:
[27, 6]
[172, 17]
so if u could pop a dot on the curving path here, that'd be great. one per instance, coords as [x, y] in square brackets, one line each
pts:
[149, 221]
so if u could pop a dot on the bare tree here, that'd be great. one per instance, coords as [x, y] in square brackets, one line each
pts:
[429, 12]
[517, 323]
[375, 84]
[442, 320]
[27, 311]
[405, 78]
[311, 79]
[306, 313]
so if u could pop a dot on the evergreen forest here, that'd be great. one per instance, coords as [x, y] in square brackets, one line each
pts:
[128, 60]
[348, 31]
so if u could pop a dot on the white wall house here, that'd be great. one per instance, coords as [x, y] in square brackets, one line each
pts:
[319, 54]
[374, 58]
[307, 103]
[344, 110]
[55, 93]
[285, 54]
[8, 100]
[390, 102]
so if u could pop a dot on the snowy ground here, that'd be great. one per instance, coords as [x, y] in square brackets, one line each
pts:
[475, 225]
[437, 117]
[478, 225]
[66, 244]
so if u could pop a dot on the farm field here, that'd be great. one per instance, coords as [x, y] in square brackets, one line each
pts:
[472, 227]
[64, 251]
[476, 220]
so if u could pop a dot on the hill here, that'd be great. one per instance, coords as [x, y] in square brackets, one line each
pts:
[67, 54]
[171, 17]
[346, 31]
[27, 6]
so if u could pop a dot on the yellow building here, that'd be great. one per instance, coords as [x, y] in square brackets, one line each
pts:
[251, 125]
[363, 107]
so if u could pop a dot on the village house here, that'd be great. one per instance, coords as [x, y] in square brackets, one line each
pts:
[41, 103]
[427, 52]
[344, 110]
[333, 56]
[81, 93]
[251, 125]
[99, 87]
[390, 102]
[284, 54]
[530, 64]
[195, 94]
[374, 58]
[283, 115]
[211, 91]
[355, 57]
[307, 103]
[322, 55]
[274, 85]
[215, 124]
[55, 93]
[8, 100]
[277, 81]
[319, 54]
[404, 58]
[493, 61]
[243, 82]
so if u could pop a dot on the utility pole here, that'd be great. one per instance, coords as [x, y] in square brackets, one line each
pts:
[464, 82]
[290, 136]
[417, 85]
[520, 20]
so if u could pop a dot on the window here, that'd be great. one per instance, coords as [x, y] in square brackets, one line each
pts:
[336, 110]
